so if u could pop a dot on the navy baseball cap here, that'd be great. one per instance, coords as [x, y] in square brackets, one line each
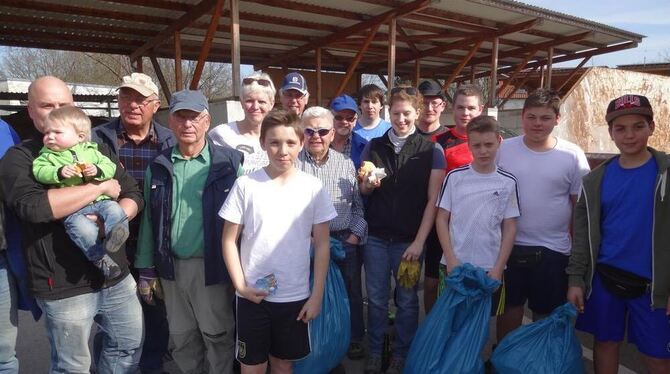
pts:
[294, 81]
[343, 102]
[188, 100]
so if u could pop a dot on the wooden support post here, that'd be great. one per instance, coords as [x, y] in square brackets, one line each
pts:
[359, 81]
[573, 73]
[138, 65]
[472, 73]
[357, 60]
[460, 66]
[494, 73]
[550, 58]
[161, 77]
[541, 76]
[235, 45]
[417, 72]
[391, 54]
[319, 88]
[179, 82]
[207, 45]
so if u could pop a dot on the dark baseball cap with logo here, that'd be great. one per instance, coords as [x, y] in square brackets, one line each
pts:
[294, 81]
[629, 104]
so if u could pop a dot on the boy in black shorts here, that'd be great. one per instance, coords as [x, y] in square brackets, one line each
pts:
[549, 172]
[278, 211]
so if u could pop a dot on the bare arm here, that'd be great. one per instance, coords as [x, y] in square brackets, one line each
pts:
[506, 245]
[312, 307]
[231, 232]
[415, 249]
[442, 227]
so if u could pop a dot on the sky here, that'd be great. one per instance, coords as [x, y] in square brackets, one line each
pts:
[646, 17]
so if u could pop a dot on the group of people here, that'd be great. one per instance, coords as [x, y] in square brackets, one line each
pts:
[213, 228]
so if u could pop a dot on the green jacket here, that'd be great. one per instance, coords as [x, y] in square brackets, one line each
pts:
[586, 237]
[48, 163]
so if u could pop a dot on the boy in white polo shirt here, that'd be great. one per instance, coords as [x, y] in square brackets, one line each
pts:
[476, 222]
[278, 211]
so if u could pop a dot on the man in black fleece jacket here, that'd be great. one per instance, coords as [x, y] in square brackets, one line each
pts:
[69, 289]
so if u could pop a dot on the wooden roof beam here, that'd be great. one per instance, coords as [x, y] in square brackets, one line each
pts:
[574, 72]
[469, 40]
[460, 66]
[356, 61]
[516, 71]
[351, 30]
[207, 44]
[523, 81]
[204, 7]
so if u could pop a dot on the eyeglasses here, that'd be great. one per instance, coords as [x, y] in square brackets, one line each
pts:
[343, 118]
[432, 103]
[128, 99]
[180, 117]
[408, 90]
[261, 81]
[309, 132]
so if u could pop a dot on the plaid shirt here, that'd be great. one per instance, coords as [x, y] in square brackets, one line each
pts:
[347, 147]
[338, 176]
[135, 158]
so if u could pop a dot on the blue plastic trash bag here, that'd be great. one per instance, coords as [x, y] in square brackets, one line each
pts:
[330, 331]
[548, 346]
[453, 334]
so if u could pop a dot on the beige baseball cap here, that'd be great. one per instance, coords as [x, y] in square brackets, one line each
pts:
[141, 83]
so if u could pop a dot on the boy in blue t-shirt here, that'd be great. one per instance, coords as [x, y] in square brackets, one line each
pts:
[621, 251]
[371, 101]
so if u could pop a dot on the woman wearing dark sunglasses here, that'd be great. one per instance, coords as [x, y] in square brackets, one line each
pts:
[258, 94]
[400, 214]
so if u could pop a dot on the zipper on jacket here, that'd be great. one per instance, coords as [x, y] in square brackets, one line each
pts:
[588, 226]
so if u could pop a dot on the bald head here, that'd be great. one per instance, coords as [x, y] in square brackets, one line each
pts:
[44, 95]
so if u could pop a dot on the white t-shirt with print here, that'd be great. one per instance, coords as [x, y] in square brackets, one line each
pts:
[228, 135]
[546, 181]
[277, 222]
[477, 204]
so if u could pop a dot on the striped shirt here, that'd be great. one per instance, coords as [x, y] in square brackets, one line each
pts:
[338, 176]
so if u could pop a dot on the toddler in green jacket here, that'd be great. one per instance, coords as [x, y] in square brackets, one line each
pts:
[68, 158]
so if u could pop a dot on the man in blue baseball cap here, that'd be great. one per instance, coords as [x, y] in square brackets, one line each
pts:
[345, 113]
[293, 93]
[180, 236]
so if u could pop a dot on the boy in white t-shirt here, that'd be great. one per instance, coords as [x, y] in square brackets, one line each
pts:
[278, 211]
[549, 173]
[476, 222]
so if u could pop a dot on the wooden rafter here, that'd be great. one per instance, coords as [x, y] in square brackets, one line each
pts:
[573, 73]
[161, 78]
[460, 66]
[550, 68]
[207, 44]
[179, 85]
[516, 87]
[351, 30]
[235, 46]
[185, 20]
[516, 71]
[390, 71]
[357, 59]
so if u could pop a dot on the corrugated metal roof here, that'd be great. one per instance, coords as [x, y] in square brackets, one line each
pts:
[442, 32]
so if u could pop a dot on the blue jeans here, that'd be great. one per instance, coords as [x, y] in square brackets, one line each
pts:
[382, 259]
[84, 232]
[350, 266]
[117, 311]
[8, 319]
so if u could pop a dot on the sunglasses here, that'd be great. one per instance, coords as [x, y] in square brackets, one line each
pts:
[311, 132]
[408, 90]
[343, 118]
[261, 81]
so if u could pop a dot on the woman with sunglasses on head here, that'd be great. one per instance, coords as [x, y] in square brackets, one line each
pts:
[258, 98]
[400, 214]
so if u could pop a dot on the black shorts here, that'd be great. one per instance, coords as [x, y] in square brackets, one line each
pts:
[433, 255]
[536, 274]
[270, 329]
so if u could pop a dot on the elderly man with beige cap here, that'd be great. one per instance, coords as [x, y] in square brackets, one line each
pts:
[136, 139]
